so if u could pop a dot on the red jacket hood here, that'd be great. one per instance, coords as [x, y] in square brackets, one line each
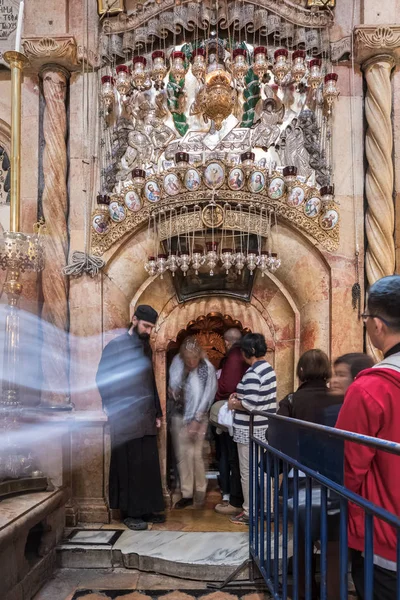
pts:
[389, 374]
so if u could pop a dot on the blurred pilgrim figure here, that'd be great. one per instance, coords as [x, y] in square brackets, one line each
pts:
[125, 379]
[192, 386]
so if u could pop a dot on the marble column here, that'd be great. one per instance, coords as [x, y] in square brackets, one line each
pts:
[377, 48]
[379, 178]
[55, 211]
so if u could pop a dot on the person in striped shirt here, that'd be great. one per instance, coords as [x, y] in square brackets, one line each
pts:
[256, 391]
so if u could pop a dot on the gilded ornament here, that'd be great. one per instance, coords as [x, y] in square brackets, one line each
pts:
[212, 215]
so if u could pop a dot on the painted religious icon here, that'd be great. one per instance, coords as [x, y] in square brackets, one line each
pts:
[100, 225]
[296, 196]
[117, 212]
[256, 182]
[236, 179]
[192, 180]
[132, 201]
[171, 184]
[152, 191]
[214, 175]
[312, 207]
[329, 219]
[276, 188]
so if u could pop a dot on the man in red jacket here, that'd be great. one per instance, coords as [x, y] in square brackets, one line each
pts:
[372, 407]
[232, 371]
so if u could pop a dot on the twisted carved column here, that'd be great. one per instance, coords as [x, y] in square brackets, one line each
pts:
[55, 355]
[379, 180]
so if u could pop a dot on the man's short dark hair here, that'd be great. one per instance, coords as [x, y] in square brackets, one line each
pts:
[314, 365]
[254, 344]
[357, 361]
[384, 300]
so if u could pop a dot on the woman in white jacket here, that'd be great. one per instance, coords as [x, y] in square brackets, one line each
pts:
[192, 385]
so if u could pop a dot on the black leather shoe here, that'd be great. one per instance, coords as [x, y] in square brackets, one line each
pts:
[183, 503]
[135, 524]
[155, 518]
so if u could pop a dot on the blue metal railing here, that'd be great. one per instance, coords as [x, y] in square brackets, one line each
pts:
[298, 501]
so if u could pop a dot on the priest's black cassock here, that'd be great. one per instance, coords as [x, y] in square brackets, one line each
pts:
[125, 379]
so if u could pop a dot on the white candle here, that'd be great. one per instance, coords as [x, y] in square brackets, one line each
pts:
[19, 27]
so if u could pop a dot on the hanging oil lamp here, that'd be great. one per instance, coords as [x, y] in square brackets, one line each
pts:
[330, 90]
[151, 266]
[199, 64]
[159, 70]
[139, 73]
[227, 259]
[107, 93]
[327, 194]
[172, 263]
[123, 80]
[247, 159]
[240, 65]
[298, 65]
[182, 163]
[212, 256]
[281, 67]
[138, 177]
[289, 175]
[198, 260]
[178, 67]
[240, 261]
[184, 262]
[274, 262]
[260, 62]
[161, 264]
[219, 98]
[263, 262]
[251, 262]
[315, 76]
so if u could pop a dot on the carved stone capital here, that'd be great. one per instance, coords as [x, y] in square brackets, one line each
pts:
[61, 50]
[373, 40]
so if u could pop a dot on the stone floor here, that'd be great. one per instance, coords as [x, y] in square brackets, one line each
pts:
[66, 582]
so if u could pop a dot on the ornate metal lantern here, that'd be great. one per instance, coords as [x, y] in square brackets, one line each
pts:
[123, 80]
[240, 65]
[107, 92]
[298, 65]
[330, 90]
[274, 262]
[199, 64]
[159, 70]
[178, 67]
[219, 98]
[260, 62]
[315, 76]
[281, 66]
[139, 73]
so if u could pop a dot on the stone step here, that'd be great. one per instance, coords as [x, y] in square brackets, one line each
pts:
[206, 556]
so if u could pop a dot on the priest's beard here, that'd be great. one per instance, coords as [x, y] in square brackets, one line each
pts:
[142, 336]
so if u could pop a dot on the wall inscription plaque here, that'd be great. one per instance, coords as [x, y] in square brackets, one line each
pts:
[8, 26]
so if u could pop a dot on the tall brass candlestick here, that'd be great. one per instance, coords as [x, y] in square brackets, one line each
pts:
[17, 62]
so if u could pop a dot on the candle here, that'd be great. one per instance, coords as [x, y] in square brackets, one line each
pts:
[19, 27]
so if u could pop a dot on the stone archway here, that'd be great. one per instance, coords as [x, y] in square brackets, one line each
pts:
[283, 341]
